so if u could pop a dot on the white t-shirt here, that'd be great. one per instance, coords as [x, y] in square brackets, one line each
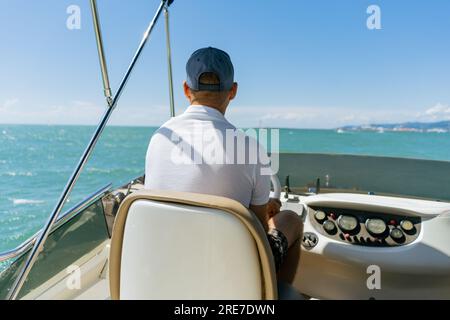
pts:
[201, 152]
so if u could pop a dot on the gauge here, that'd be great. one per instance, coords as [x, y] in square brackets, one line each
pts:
[320, 216]
[407, 225]
[347, 223]
[329, 226]
[376, 226]
[397, 234]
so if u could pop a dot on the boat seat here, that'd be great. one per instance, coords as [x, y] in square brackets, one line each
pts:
[176, 245]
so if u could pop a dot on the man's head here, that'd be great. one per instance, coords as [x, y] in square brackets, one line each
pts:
[210, 79]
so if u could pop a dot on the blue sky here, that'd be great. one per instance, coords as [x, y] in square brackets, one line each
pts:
[306, 64]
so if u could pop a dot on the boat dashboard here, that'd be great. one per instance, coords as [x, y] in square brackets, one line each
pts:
[347, 237]
[360, 227]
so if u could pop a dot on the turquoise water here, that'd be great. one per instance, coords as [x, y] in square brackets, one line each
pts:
[36, 161]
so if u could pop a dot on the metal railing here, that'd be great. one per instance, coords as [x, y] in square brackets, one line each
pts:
[169, 61]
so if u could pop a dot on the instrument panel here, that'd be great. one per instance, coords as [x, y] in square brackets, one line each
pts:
[332, 266]
[364, 228]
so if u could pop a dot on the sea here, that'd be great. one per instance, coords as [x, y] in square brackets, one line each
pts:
[36, 162]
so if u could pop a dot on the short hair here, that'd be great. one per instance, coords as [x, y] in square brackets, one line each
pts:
[209, 78]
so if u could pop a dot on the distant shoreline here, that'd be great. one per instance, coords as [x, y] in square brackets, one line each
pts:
[427, 127]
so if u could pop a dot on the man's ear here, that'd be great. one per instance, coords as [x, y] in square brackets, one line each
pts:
[233, 91]
[187, 91]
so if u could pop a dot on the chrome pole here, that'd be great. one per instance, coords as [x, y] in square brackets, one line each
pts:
[169, 62]
[101, 53]
[39, 245]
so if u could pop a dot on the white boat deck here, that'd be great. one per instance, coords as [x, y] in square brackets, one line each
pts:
[99, 291]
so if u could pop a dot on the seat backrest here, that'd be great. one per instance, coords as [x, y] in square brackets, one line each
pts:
[177, 245]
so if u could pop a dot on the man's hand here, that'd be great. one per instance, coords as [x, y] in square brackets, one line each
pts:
[273, 207]
[266, 212]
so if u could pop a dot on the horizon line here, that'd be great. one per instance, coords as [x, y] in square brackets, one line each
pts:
[147, 126]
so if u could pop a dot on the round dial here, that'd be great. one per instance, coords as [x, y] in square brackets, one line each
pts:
[320, 216]
[329, 226]
[347, 223]
[376, 226]
[407, 225]
[397, 234]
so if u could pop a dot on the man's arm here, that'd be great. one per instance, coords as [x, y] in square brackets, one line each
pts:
[266, 212]
[273, 207]
[262, 213]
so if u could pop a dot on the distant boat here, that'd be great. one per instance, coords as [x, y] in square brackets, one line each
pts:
[340, 130]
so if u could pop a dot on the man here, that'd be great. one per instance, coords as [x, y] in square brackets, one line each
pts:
[199, 151]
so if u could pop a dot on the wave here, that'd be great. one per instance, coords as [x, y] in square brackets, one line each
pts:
[98, 170]
[26, 201]
[21, 174]
[5, 133]
[112, 170]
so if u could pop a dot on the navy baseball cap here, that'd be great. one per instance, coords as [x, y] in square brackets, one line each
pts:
[210, 60]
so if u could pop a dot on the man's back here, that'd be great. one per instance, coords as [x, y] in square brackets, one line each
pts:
[201, 152]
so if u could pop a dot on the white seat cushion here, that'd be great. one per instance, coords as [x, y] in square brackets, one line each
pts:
[173, 251]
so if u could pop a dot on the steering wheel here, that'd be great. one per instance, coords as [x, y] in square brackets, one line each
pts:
[276, 193]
